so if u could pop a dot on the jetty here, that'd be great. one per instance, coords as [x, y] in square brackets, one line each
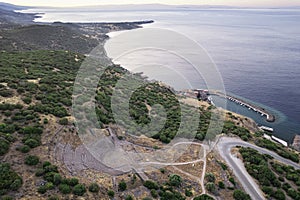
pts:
[264, 113]
[265, 128]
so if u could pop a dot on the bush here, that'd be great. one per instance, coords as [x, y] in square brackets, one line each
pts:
[57, 179]
[240, 195]
[210, 187]
[151, 185]
[72, 181]
[122, 186]
[49, 186]
[175, 180]
[6, 197]
[279, 194]
[53, 198]
[210, 177]
[26, 100]
[63, 121]
[231, 179]
[111, 193]
[221, 185]
[32, 143]
[128, 197]
[39, 172]
[16, 184]
[203, 197]
[154, 193]
[79, 190]
[31, 160]
[4, 146]
[64, 188]
[24, 149]
[42, 189]
[94, 187]
[188, 193]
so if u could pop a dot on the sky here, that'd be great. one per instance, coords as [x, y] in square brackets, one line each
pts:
[72, 3]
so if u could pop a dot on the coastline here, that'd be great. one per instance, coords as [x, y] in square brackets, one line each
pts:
[111, 33]
[263, 112]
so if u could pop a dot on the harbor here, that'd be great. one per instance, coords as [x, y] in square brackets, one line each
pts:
[264, 113]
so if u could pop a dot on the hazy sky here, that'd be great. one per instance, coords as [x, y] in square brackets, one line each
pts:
[63, 3]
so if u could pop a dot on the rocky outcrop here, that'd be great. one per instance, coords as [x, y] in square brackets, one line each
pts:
[296, 143]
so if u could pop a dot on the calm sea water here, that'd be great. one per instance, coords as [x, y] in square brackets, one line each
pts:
[256, 51]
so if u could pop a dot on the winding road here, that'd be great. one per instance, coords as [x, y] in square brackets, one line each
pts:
[224, 146]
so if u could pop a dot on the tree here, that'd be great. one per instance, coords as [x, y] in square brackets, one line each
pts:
[63, 121]
[4, 146]
[151, 185]
[175, 180]
[110, 193]
[279, 194]
[72, 181]
[122, 186]
[32, 143]
[210, 187]
[42, 189]
[203, 197]
[210, 177]
[128, 197]
[79, 190]
[57, 179]
[221, 185]
[94, 187]
[240, 195]
[64, 188]
[9, 179]
[32, 160]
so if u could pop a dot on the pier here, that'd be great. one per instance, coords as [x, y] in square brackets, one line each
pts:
[270, 117]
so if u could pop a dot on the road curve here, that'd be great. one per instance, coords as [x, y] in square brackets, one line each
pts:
[225, 144]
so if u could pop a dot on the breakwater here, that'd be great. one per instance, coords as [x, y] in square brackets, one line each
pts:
[269, 116]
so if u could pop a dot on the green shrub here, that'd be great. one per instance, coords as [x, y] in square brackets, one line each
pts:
[231, 179]
[94, 187]
[6, 197]
[63, 121]
[39, 172]
[128, 197]
[151, 185]
[122, 186]
[240, 195]
[32, 143]
[49, 186]
[31, 160]
[210, 187]
[24, 149]
[53, 198]
[42, 189]
[26, 100]
[203, 197]
[175, 180]
[72, 181]
[64, 188]
[4, 146]
[110, 193]
[210, 177]
[221, 185]
[79, 190]
[16, 184]
[154, 193]
[188, 193]
[57, 179]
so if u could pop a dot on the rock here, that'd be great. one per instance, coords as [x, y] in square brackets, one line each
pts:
[296, 143]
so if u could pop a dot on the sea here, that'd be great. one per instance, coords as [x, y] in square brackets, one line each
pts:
[256, 52]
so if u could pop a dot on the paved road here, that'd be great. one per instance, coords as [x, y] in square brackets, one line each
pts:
[224, 146]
